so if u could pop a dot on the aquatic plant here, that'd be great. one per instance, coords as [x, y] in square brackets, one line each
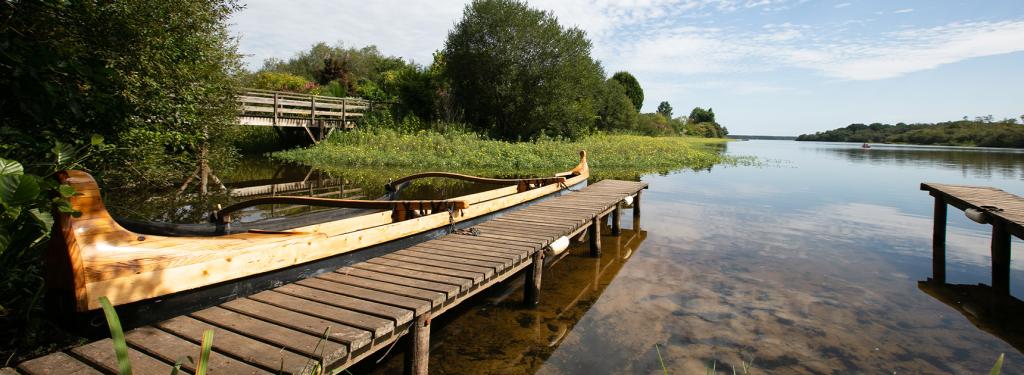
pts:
[620, 156]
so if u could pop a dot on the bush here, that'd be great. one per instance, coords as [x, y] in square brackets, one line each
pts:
[285, 82]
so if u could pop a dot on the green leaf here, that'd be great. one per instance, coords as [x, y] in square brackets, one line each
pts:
[117, 335]
[66, 191]
[5, 240]
[63, 154]
[10, 167]
[96, 140]
[998, 367]
[204, 352]
[45, 219]
[8, 187]
[27, 191]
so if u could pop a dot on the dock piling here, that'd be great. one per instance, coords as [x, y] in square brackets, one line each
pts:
[531, 291]
[616, 216]
[595, 237]
[939, 241]
[417, 358]
[1000, 258]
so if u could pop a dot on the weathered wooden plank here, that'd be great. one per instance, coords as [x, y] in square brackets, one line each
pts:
[376, 325]
[303, 343]
[269, 357]
[475, 261]
[448, 289]
[475, 276]
[471, 253]
[172, 348]
[504, 251]
[419, 306]
[57, 364]
[101, 355]
[398, 315]
[355, 338]
[445, 261]
[462, 282]
[435, 298]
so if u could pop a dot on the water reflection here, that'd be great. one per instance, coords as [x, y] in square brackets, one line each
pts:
[970, 161]
[493, 333]
[997, 314]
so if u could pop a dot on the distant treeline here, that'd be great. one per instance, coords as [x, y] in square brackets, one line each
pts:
[982, 133]
[768, 137]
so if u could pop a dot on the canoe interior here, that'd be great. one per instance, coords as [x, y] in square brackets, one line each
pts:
[94, 255]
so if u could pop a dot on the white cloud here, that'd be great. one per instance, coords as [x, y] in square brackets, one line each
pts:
[642, 36]
[907, 10]
[701, 51]
[842, 5]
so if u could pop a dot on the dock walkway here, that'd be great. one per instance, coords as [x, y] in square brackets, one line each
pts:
[985, 205]
[364, 307]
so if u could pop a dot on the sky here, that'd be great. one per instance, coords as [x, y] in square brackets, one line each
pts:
[766, 67]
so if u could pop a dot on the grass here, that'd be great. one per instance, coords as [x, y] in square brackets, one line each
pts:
[610, 156]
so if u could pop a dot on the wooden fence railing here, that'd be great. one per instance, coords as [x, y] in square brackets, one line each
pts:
[321, 114]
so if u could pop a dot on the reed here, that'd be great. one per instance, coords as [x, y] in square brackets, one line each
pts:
[618, 156]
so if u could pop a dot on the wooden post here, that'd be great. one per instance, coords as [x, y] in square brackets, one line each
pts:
[595, 237]
[939, 241]
[616, 228]
[418, 356]
[636, 212]
[636, 206]
[1000, 257]
[531, 291]
[312, 116]
[275, 109]
[344, 108]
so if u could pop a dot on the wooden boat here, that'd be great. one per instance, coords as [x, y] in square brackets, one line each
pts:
[140, 264]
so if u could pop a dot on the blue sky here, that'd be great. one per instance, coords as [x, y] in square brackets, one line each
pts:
[776, 67]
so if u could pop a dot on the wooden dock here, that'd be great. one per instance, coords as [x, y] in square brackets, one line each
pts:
[365, 307]
[986, 205]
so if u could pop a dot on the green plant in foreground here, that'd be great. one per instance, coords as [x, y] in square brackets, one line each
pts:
[121, 346]
[998, 367]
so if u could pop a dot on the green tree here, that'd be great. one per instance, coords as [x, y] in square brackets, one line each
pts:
[633, 89]
[616, 111]
[155, 78]
[516, 73]
[665, 109]
[699, 115]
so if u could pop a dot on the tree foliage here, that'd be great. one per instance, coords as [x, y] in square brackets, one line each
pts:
[155, 78]
[665, 109]
[1004, 133]
[632, 87]
[616, 111]
[698, 115]
[517, 73]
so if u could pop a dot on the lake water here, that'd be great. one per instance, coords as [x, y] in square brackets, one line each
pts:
[807, 263]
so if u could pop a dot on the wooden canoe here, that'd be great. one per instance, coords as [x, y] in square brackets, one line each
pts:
[93, 255]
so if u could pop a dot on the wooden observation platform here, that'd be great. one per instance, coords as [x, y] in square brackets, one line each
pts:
[338, 318]
[985, 205]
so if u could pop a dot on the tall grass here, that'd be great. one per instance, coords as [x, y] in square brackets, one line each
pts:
[609, 155]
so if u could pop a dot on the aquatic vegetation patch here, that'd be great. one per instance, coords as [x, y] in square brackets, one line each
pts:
[618, 156]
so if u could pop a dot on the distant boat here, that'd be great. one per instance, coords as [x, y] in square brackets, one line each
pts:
[865, 145]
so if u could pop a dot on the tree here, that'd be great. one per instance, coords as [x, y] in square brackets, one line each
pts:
[665, 109]
[699, 115]
[516, 73]
[633, 89]
[154, 78]
[616, 110]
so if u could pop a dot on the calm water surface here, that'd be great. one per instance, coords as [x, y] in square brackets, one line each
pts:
[808, 264]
